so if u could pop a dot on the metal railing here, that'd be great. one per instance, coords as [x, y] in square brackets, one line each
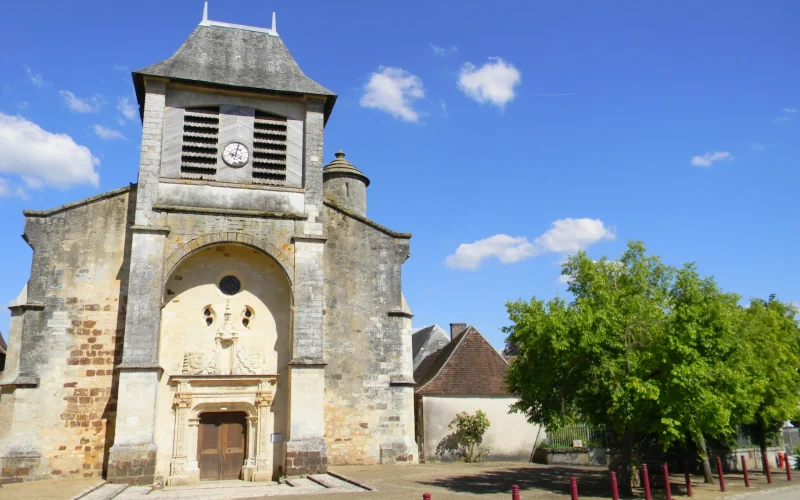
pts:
[588, 436]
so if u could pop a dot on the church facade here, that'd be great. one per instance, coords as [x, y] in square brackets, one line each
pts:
[233, 314]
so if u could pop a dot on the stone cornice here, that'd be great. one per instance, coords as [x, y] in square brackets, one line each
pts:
[310, 363]
[150, 229]
[27, 307]
[309, 239]
[228, 211]
[400, 314]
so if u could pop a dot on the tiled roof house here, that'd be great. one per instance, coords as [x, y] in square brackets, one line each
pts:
[468, 374]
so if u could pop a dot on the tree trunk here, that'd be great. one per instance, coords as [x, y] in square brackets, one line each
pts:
[709, 478]
[624, 472]
[762, 435]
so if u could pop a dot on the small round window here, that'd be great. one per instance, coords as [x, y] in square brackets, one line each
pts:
[230, 285]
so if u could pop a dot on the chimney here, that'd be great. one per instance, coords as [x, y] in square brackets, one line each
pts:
[457, 329]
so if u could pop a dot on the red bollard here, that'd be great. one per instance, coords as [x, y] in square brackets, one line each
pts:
[780, 460]
[666, 482]
[765, 463]
[788, 469]
[744, 469]
[515, 492]
[426, 496]
[614, 488]
[646, 481]
[721, 476]
[573, 488]
[687, 477]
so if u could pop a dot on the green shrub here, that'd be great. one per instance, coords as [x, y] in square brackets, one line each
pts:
[466, 438]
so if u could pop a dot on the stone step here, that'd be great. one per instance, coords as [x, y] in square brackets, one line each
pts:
[105, 492]
[334, 482]
[305, 483]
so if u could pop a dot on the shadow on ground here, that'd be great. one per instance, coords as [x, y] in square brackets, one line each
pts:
[554, 479]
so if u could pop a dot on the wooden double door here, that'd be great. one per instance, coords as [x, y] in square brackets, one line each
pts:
[222, 445]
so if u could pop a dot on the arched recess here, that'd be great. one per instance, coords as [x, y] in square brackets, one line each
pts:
[230, 238]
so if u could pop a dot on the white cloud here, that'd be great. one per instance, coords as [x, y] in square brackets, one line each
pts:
[508, 249]
[789, 110]
[442, 51]
[757, 146]
[43, 158]
[571, 235]
[7, 189]
[564, 236]
[394, 91]
[124, 106]
[708, 159]
[107, 133]
[493, 82]
[82, 105]
[22, 105]
[564, 279]
[36, 80]
[780, 119]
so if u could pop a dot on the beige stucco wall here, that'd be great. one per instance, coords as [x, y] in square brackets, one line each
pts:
[188, 291]
[509, 437]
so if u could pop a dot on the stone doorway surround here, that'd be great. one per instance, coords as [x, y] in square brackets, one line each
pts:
[195, 394]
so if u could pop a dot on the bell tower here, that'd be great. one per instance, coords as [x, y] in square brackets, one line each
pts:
[231, 154]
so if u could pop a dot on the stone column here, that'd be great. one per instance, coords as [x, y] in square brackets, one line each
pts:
[306, 450]
[263, 424]
[132, 458]
[249, 471]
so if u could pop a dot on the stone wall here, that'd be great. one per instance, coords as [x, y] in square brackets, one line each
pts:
[368, 397]
[59, 404]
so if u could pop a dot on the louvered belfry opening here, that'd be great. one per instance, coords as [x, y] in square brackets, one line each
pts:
[269, 149]
[200, 143]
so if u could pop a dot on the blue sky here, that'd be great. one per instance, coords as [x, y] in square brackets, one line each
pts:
[520, 130]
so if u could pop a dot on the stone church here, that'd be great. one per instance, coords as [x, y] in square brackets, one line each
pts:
[232, 314]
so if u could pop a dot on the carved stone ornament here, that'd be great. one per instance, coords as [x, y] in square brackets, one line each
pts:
[181, 401]
[249, 364]
[199, 363]
[263, 398]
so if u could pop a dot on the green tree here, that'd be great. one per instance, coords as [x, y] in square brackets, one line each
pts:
[770, 355]
[699, 380]
[467, 437]
[592, 360]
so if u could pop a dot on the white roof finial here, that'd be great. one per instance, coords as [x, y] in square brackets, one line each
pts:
[205, 12]
[274, 25]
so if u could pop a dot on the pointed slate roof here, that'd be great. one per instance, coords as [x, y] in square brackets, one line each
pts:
[467, 366]
[426, 341]
[234, 56]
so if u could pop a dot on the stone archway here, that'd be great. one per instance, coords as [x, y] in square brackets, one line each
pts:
[225, 350]
[284, 258]
[194, 395]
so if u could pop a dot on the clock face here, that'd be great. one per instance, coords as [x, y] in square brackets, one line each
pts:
[235, 154]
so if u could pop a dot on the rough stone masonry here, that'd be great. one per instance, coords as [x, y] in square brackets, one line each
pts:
[219, 318]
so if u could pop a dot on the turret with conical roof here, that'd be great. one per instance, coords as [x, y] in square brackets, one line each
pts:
[345, 185]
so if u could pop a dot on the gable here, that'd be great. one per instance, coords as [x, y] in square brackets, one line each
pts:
[467, 366]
